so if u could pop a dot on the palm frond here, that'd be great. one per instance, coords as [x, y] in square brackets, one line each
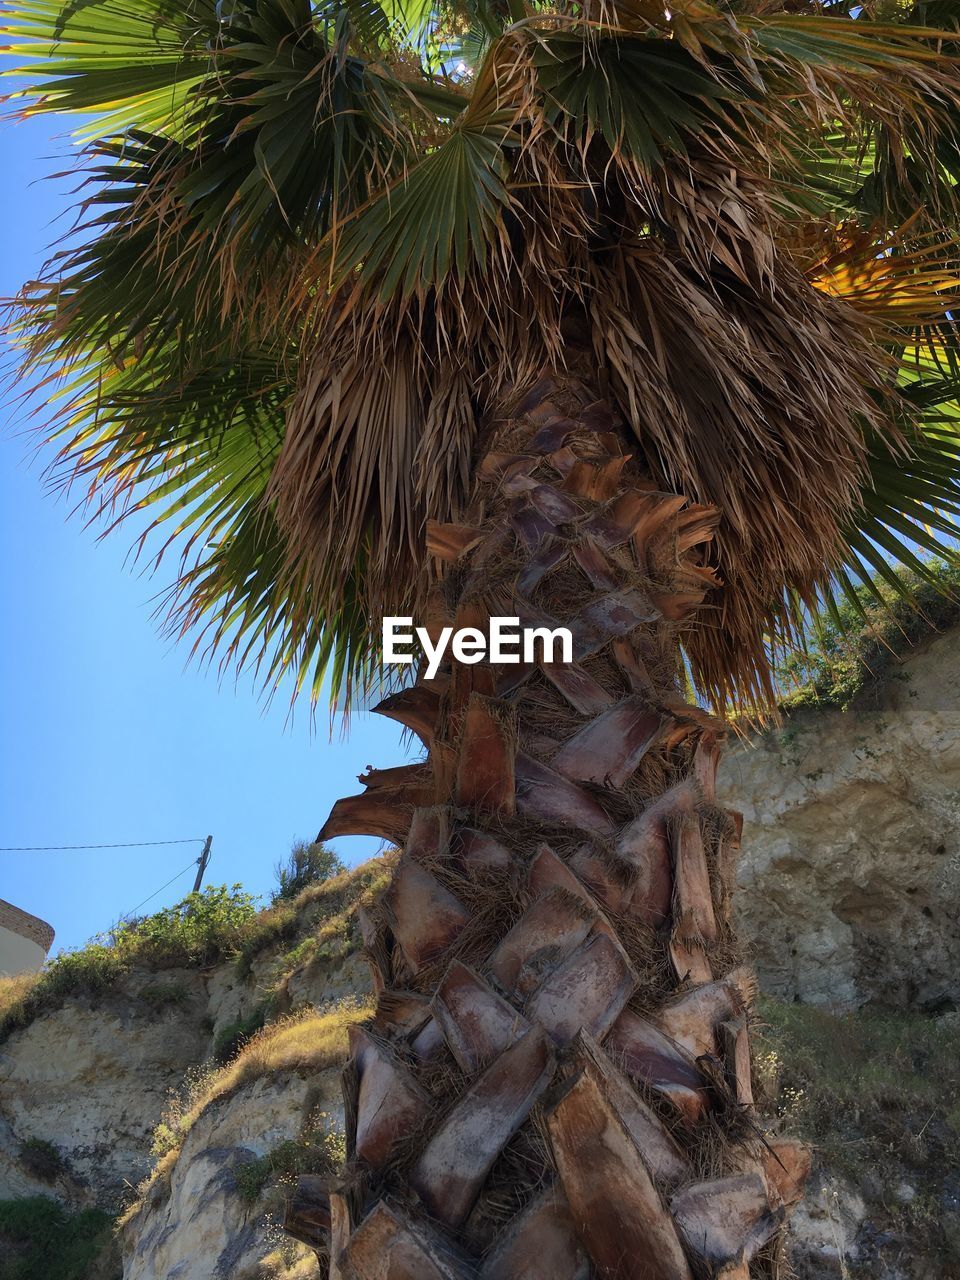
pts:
[128, 65]
[438, 219]
[907, 285]
[317, 253]
[187, 463]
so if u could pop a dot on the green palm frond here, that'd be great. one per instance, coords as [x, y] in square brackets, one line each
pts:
[442, 215]
[130, 65]
[189, 463]
[908, 520]
[904, 534]
[643, 96]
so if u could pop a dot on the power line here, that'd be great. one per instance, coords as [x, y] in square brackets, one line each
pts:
[200, 862]
[163, 886]
[55, 848]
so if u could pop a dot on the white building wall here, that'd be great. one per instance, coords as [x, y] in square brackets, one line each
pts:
[19, 954]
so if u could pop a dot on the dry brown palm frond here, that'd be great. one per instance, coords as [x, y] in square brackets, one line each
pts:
[342, 483]
[727, 388]
[721, 377]
[711, 336]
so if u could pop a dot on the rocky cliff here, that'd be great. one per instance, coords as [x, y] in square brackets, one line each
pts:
[124, 1080]
[90, 1073]
[849, 882]
[244, 1132]
[91, 1078]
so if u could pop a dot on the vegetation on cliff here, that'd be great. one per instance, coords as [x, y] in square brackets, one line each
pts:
[205, 928]
[854, 1083]
[865, 640]
[860, 1087]
[877, 1094]
[320, 922]
[199, 930]
[41, 1240]
[309, 1040]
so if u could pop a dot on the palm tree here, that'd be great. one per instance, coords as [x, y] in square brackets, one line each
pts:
[621, 317]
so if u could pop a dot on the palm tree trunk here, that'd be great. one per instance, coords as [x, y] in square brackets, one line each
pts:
[556, 1082]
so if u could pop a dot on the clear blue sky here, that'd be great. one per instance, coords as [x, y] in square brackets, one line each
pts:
[106, 734]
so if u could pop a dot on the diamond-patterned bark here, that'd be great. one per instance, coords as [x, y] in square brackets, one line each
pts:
[556, 1082]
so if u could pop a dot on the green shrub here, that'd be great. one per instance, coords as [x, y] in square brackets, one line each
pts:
[865, 645]
[231, 1038]
[98, 965]
[40, 1240]
[319, 1149]
[307, 864]
[42, 1159]
[201, 929]
[204, 927]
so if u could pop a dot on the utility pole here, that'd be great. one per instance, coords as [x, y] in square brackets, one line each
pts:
[202, 864]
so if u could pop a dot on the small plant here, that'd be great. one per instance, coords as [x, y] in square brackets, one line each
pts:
[202, 929]
[183, 1105]
[42, 1159]
[320, 1148]
[287, 1260]
[307, 864]
[231, 1039]
[160, 994]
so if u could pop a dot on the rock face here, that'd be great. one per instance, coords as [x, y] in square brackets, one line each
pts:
[824, 1229]
[200, 1224]
[92, 1076]
[92, 1081]
[849, 883]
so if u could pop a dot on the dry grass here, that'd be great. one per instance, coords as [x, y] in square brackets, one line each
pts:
[307, 1039]
[319, 922]
[275, 1266]
[869, 1089]
[310, 1039]
[14, 993]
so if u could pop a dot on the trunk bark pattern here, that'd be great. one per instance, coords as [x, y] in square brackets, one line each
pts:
[556, 1082]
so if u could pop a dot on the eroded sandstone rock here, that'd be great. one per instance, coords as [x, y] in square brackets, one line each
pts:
[849, 881]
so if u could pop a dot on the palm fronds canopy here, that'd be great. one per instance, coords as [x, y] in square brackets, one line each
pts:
[323, 241]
